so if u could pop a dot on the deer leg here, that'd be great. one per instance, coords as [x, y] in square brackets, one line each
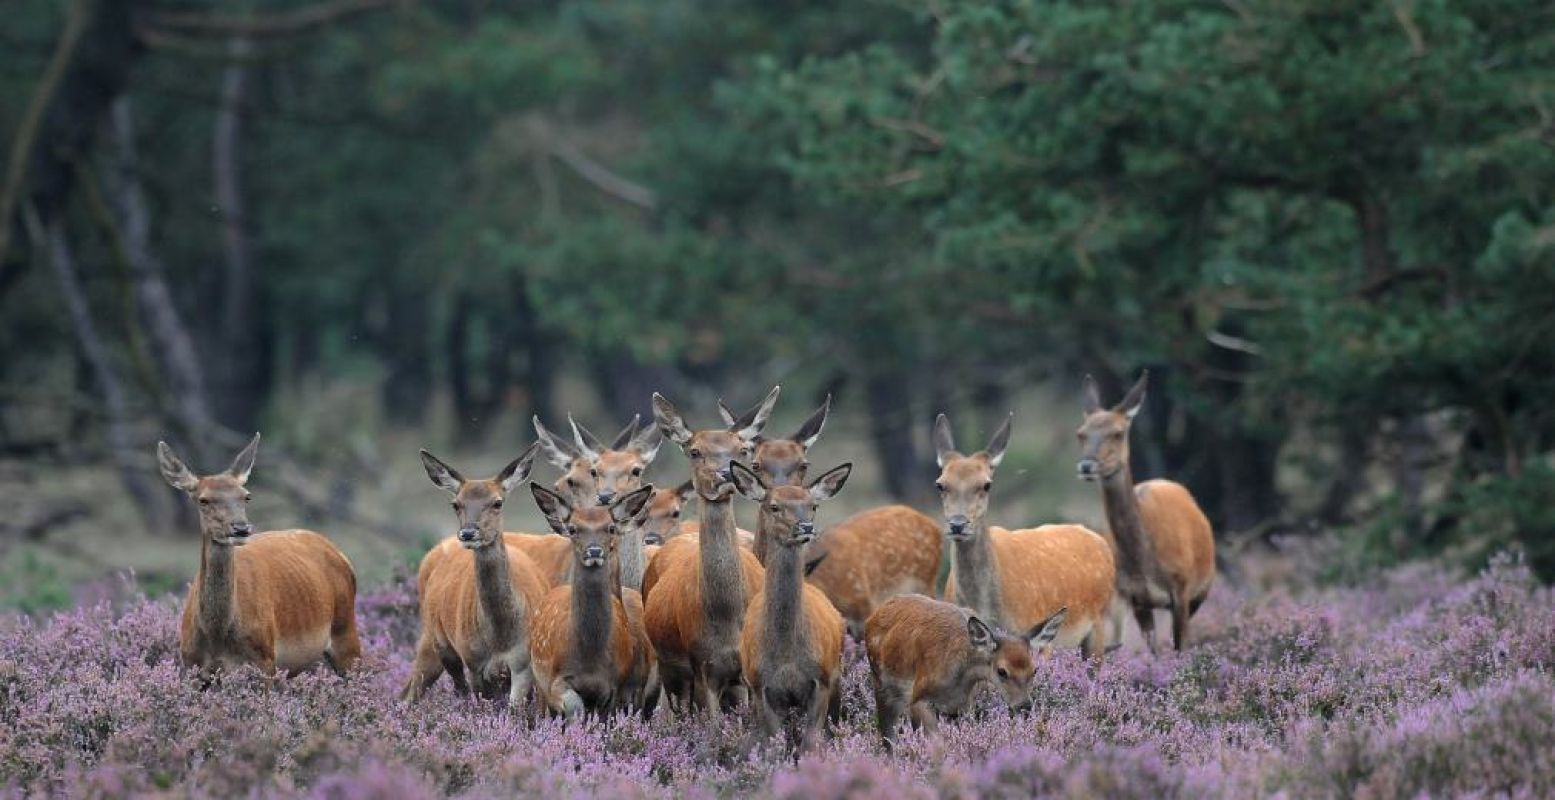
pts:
[923, 717]
[519, 681]
[1094, 645]
[1145, 616]
[424, 672]
[1180, 614]
[814, 720]
[890, 703]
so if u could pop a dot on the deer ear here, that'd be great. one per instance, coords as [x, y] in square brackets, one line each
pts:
[944, 441]
[587, 443]
[983, 640]
[1135, 399]
[517, 470]
[243, 463]
[559, 453]
[625, 436]
[1090, 396]
[669, 421]
[1043, 634]
[173, 471]
[811, 429]
[747, 483]
[553, 507]
[830, 482]
[813, 564]
[726, 413]
[630, 505]
[443, 476]
[749, 426]
[646, 443]
[1000, 442]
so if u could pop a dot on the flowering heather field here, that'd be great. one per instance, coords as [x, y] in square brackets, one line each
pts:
[1420, 684]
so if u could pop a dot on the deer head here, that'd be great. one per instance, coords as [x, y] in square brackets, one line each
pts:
[782, 461]
[221, 498]
[965, 481]
[712, 451]
[595, 531]
[478, 503]
[790, 516]
[1009, 659]
[1104, 433]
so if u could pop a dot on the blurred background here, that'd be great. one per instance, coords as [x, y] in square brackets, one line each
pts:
[368, 226]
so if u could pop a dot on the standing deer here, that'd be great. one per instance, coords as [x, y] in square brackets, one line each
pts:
[1165, 547]
[1016, 579]
[873, 556]
[279, 599]
[780, 462]
[927, 658]
[695, 613]
[589, 649]
[476, 603]
[791, 649]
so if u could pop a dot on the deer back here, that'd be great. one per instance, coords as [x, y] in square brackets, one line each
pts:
[875, 555]
[1184, 541]
[1050, 567]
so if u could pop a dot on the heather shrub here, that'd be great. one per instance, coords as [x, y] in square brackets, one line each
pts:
[1419, 682]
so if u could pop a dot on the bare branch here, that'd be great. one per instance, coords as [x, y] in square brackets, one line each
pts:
[601, 176]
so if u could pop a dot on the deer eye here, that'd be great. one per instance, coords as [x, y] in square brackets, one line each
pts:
[247, 497]
[940, 486]
[694, 452]
[611, 529]
[987, 486]
[773, 508]
[205, 501]
[1004, 674]
[593, 473]
[675, 514]
[637, 472]
[497, 504]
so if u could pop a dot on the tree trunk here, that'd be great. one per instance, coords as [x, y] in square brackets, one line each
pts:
[121, 445]
[174, 349]
[540, 356]
[886, 393]
[243, 374]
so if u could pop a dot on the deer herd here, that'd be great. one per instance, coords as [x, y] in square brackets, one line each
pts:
[624, 603]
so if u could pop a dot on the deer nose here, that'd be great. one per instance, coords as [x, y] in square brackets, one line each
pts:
[957, 525]
[467, 534]
[1086, 468]
[726, 474]
[605, 496]
[242, 529]
[652, 538]
[804, 531]
[593, 555]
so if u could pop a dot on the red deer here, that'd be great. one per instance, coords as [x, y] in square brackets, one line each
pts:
[279, 599]
[589, 649]
[1164, 545]
[928, 657]
[873, 556]
[781, 462]
[791, 648]
[696, 611]
[1016, 579]
[476, 603]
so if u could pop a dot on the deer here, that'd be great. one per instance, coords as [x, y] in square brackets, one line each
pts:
[1164, 545]
[589, 651]
[928, 658]
[1017, 578]
[274, 600]
[781, 462]
[696, 611]
[476, 603]
[791, 647]
[873, 556]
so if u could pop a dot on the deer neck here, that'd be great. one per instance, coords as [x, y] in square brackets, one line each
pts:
[1135, 551]
[497, 605]
[722, 579]
[784, 584]
[977, 573]
[632, 560]
[217, 588]
[593, 593]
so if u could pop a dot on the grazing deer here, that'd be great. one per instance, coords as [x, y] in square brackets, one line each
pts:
[279, 599]
[695, 613]
[875, 555]
[476, 603]
[589, 649]
[1016, 579]
[1164, 545]
[791, 649]
[927, 658]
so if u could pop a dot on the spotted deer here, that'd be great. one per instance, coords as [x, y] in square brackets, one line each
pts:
[275, 600]
[1163, 543]
[1018, 578]
[696, 611]
[928, 658]
[791, 648]
[873, 556]
[476, 602]
[589, 651]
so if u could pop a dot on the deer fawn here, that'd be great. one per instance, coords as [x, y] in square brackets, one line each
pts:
[279, 599]
[589, 649]
[476, 603]
[1016, 579]
[927, 658]
[1164, 545]
[695, 613]
[791, 649]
